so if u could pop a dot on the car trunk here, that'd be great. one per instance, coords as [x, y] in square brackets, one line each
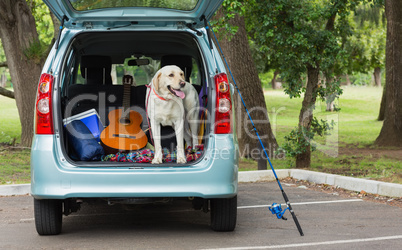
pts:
[92, 87]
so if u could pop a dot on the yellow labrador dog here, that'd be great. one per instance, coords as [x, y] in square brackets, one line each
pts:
[170, 100]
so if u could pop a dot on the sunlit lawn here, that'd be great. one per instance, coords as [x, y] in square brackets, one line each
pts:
[356, 121]
[10, 127]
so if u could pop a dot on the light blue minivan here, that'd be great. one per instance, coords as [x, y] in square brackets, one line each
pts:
[81, 82]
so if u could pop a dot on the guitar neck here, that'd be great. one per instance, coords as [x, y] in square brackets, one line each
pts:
[127, 81]
[126, 96]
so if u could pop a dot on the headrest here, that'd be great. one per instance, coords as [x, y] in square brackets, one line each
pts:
[94, 61]
[96, 69]
[183, 62]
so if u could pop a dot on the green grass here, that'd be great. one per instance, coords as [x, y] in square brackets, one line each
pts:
[360, 166]
[358, 115]
[14, 165]
[10, 126]
[14, 162]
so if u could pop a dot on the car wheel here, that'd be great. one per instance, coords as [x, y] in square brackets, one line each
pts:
[223, 214]
[48, 216]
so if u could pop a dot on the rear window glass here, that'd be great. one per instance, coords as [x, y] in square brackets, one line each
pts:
[83, 5]
[142, 75]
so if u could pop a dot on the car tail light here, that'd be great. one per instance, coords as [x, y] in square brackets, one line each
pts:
[223, 119]
[44, 118]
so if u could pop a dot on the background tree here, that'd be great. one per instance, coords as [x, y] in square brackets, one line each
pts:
[305, 37]
[371, 22]
[25, 54]
[4, 75]
[238, 54]
[369, 35]
[265, 64]
[391, 132]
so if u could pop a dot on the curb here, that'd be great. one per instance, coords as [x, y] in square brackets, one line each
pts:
[17, 189]
[349, 183]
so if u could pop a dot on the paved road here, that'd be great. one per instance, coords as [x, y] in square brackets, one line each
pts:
[328, 222]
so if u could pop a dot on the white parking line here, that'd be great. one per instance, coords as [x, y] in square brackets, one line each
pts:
[27, 220]
[316, 243]
[302, 203]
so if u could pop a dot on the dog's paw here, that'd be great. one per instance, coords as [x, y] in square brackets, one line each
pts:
[181, 157]
[157, 161]
[181, 160]
[158, 156]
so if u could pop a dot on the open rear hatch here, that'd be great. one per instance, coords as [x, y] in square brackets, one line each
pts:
[107, 13]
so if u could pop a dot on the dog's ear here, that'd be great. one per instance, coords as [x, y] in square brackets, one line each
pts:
[155, 80]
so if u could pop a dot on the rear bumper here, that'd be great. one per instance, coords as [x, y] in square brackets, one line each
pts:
[53, 177]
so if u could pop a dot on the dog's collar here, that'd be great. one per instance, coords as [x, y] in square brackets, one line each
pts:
[157, 95]
[160, 97]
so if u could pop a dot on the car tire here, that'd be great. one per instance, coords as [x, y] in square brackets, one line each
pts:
[48, 216]
[223, 214]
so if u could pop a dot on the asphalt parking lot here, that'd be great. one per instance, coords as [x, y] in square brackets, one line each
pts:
[329, 222]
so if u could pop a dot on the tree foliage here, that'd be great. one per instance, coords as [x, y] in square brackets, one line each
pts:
[44, 24]
[306, 41]
[43, 20]
[301, 33]
[366, 45]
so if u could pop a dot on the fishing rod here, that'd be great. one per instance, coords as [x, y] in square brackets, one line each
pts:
[275, 208]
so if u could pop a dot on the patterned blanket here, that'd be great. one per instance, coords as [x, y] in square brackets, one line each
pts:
[146, 155]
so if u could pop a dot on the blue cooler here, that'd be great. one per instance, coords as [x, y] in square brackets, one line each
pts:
[91, 119]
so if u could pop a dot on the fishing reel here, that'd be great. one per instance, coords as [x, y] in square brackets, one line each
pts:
[277, 210]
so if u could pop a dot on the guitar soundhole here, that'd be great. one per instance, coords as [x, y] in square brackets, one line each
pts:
[124, 121]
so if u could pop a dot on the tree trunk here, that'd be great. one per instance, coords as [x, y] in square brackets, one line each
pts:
[348, 83]
[391, 132]
[330, 98]
[3, 80]
[238, 55]
[377, 77]
[383, 104]
[303, 160]
[275, 84]
[18, 33]
[56, 25]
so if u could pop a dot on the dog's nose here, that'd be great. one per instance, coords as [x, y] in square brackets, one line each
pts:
[182, 84]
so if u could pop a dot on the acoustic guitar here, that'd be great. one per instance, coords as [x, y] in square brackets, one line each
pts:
[124, 132]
